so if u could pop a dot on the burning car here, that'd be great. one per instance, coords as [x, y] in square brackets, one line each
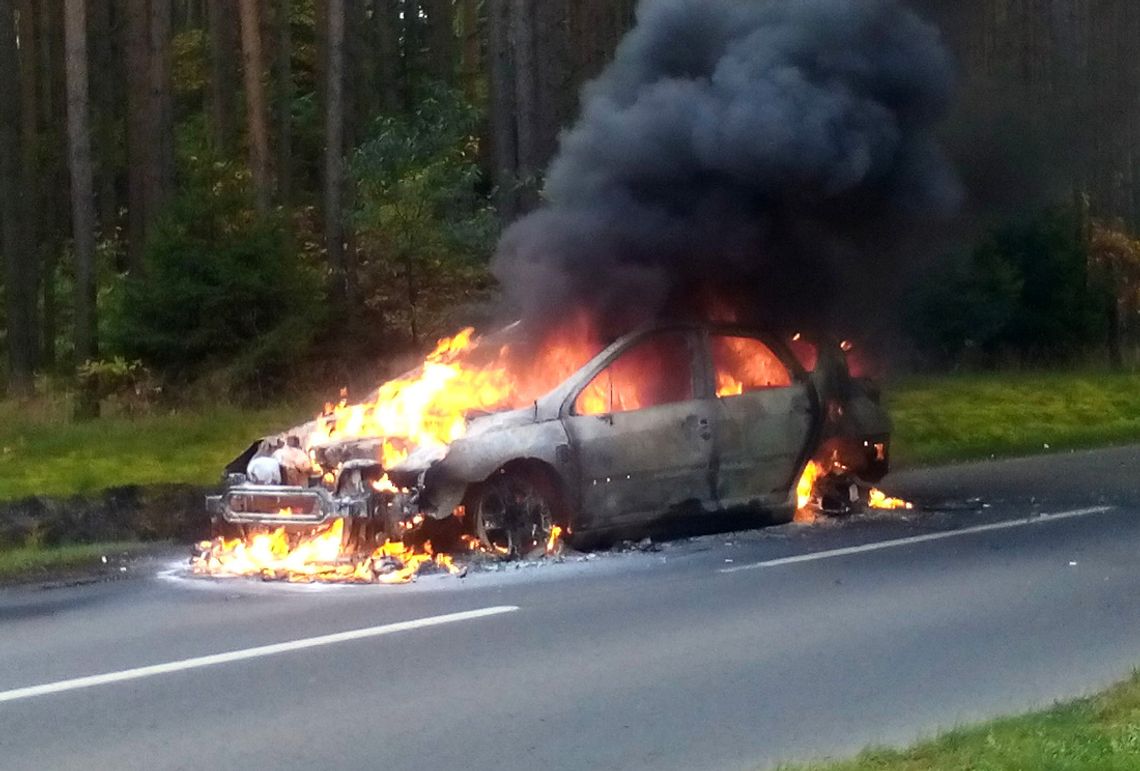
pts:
[673, 419]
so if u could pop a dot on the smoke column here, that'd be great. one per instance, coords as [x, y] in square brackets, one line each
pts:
[774, 154]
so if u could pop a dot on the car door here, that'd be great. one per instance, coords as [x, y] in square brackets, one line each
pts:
[640, 434]
[764, 419]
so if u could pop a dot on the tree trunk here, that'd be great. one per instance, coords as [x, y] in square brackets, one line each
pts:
[160, 180]
[139, 142]
[255, 111]
[82, 185]
[441, 39]
[253, 70]
[472, 50]
[527, 99]
[105, 109]
[223, 76]
[283, 78]
[334, 151]
[53, 203]
[358, 110]
[12, 222]
[504, 123]
[32, 186]
[386, 22]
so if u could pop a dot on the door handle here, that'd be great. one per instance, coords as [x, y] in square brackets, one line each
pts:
[704, 430]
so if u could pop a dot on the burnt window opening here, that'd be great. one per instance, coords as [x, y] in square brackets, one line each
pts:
[653, 373]
[744, 365]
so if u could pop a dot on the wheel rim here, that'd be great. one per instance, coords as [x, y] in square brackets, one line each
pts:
[514, 518]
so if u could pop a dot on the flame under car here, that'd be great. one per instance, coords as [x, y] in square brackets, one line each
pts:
[672, 420]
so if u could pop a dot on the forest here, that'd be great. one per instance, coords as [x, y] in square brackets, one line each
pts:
[235, 197]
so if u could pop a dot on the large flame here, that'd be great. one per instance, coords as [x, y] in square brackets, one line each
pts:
[805, 493]
[463, 375]
[318, 557]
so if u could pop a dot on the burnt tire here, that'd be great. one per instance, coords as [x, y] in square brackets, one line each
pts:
[514, 514]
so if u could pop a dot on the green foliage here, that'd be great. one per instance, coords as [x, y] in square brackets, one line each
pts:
[127, 383]
[424, 226]
[1025, 292]
[222, 288]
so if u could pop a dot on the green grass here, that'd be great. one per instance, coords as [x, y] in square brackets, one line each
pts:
[1102, 732]
[963, 417]
[28, 561]
[43, 452]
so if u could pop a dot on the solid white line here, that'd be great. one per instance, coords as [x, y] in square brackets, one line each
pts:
[878, 546]
[249, 653]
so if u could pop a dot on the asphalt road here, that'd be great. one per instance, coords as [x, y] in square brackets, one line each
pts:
[726, 651]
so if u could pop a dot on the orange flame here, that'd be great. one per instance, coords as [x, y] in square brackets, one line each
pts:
[319, 557]
[805, 492]
[430, 407]
[553, 544]
[877, 499]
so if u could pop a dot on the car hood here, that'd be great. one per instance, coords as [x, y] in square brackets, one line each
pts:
[426, 456]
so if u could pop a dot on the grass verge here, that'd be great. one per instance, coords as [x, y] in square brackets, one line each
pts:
[31, 561]
[44, 452]
[967, 417]
[938, 419]
[1102, 732]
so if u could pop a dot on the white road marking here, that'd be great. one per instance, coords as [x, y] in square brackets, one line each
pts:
[880, 545]
[249, 653]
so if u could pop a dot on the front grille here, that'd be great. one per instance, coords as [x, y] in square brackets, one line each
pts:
[275, 505]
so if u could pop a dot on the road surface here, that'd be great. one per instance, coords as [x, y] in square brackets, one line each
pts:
[728, 651]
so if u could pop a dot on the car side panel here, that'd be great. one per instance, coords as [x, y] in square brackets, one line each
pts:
[760, 439]
[641, 464]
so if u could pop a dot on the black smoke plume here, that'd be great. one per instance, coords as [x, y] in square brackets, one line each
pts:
[778, 155]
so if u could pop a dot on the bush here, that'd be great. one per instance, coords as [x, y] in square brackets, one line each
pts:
[1025, 292]
[223, 289]
[128, 384]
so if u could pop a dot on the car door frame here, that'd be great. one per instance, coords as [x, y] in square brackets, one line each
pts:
[701, 403]
[800, 376]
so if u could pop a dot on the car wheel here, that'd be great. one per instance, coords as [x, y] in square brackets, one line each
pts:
[514, 516]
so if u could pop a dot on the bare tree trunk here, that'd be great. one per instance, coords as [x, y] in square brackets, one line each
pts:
[12, 223]
[527, 138]
[283, 78]
[139, 145]
[52, 203]
[472, 49]
[82, 185]
[30, 129]
[105, 108]
[386, 22]
[357, 100]
[504, 123]
[334, 151]
[441, 38]
[32, 186]
[223, 75]
[160, 181]
[253, 69]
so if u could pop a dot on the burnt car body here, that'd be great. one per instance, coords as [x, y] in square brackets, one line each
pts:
[718, 417]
